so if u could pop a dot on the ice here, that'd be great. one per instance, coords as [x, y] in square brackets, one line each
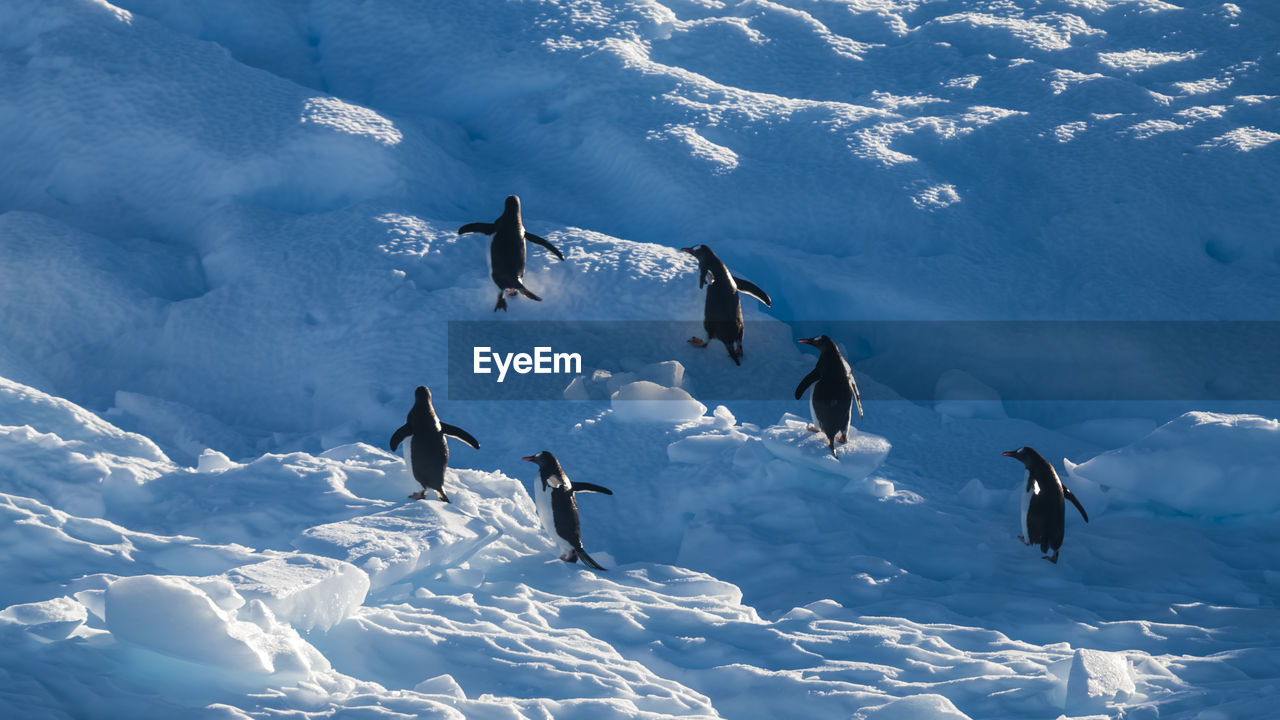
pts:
[173, 617]
[648, 402]
[922, 707]
[1201, 464]
[790, 440]
[305, 591]
[1097, 678]
[53, 619]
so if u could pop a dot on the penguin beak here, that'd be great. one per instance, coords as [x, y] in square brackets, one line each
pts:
[1008, 454]
[528, 459]
[688, 250]
[805, 341]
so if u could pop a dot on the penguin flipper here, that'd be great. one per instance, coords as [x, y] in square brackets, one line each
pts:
[857, 397]
[486, 228]
[540, 241]
[1072, 497]
[528, 293]
[586, 559]
[399, 436]
[808, 380]
[753, 290]
[590, 487]
[459, 433]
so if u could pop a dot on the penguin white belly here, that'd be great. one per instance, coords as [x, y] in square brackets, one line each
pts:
[406, 449]
[542, 501]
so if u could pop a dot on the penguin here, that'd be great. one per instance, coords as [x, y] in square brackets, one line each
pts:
[831, 403]
[507, 251]
[722, 316]
[427, 452]
[1043, 512]
[557, 509]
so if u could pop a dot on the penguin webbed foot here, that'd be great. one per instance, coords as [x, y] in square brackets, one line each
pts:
[421, 494]
[697, 342]
[1023, 540]
[570, 557]
[843, 438]
[1053, 559]
[813, 429]
[511, 293]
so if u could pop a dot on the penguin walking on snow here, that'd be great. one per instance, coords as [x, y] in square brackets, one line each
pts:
[1043, 512]
[834, 392]
[427, 452]
[722, 316]
[507, 251]
[557, 509]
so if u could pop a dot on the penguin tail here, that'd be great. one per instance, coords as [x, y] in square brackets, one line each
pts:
[502, 301]
[582, 555]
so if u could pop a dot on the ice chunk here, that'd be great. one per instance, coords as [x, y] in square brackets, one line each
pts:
[790, 440]
[915, 707]
[1095, 678]
[303, 590]
[644, 401]
[212, 461]
[171, 616]
[441, 685]
[50, 619]
[1202, 464]
[667, 374]
[704, 448]
[391, 546]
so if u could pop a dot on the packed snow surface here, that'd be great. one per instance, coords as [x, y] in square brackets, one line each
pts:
[228, 254]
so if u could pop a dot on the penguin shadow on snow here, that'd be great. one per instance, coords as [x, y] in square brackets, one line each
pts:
[722, 314]
[508, 252]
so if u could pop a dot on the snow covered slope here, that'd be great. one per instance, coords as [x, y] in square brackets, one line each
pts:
[228, 255]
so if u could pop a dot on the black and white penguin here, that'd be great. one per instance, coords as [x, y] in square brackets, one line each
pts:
[722, 316]
[427, 452]
[831, 403]
[1043, 513]
[557, 509]
[507, 251]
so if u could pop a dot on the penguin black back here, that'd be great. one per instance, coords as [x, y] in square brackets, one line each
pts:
[722, 313]
[428, 450]
[507, 252]
[834, 392]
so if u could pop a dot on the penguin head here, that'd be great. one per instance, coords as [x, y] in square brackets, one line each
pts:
[702, 252]
[822, 342]
[550, 467]
[421, 395]
[1025, 455]
[512, 205]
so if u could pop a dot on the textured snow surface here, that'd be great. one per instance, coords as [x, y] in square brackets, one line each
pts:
[228, 253]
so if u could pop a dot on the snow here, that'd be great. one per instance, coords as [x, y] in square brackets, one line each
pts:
[228, 252]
